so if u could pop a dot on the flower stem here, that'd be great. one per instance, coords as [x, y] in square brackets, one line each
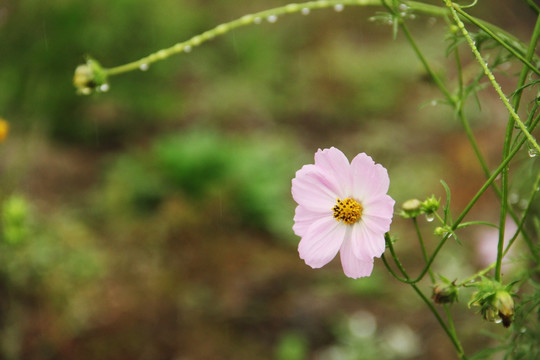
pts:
[469, 206]
[423, 247]
[451, 334]
[489, 74]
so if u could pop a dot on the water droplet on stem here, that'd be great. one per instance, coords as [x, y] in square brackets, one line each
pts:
[144, 67]
[272, 19]
[430, 217]
[339, 7]
[305, 11]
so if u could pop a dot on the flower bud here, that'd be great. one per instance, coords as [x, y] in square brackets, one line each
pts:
[495, 301]
[430, 205]
[445, 294]
[505, 307]
[89, 77]
[411, 208]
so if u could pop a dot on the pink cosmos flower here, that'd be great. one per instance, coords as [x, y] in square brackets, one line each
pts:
[342, 207]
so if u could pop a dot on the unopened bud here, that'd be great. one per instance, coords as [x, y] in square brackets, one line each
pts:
[495, 301]
[504, 304]
[89, 77]
[430, 205]
[411, 208]
[445, 294]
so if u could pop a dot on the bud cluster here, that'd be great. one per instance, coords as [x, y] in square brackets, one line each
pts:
[414, 207]
[495, 301]
[90, 77]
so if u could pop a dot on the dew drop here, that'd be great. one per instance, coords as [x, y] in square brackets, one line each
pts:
[104, 88]
[271, 19]
[187, 48]
[257, 20]
[497, 321]
[523, 330]
[339, 7]
[305, 11]
[430, 217]
[433, 103]
[532, 152]
[403, 7]
[144, 67]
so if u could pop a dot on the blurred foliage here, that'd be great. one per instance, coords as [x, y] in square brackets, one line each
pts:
[250, 177]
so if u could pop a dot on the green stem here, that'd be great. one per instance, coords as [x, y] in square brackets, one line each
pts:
[506, 150]
[469, 206]
[477, 275]
[391, 271]
[519, 230]
[451, 334]
[255, 18]
[423, 247]
[258, 17]
[489, 74]
[424, 62]
[394, 256]
[504, 43]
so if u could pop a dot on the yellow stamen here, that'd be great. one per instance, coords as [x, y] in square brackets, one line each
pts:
[349, 211]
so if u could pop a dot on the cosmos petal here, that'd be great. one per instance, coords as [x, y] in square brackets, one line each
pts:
[321, 242]
[304, 218]
[370, 243]
[354, 267]
[368, 179]
[314, 189]
[335, 163]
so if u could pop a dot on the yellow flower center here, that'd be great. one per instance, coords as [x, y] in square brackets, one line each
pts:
[349, 211]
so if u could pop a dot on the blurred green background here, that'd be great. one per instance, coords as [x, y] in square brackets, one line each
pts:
[154, 221]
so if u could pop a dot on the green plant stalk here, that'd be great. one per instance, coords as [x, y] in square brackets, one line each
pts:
[506, 149]
[454, 9]
[469, 206]
[424, 62]
[489, 74]
[506, 44]
[423, 247]
[519, 230]
[258, 17]
[449, 331]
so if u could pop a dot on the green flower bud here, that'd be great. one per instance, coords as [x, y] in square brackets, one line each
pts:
[445, 294]
[430, 205]
[495, 301]
[504, 304]
[411, 208]
[90, 77]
